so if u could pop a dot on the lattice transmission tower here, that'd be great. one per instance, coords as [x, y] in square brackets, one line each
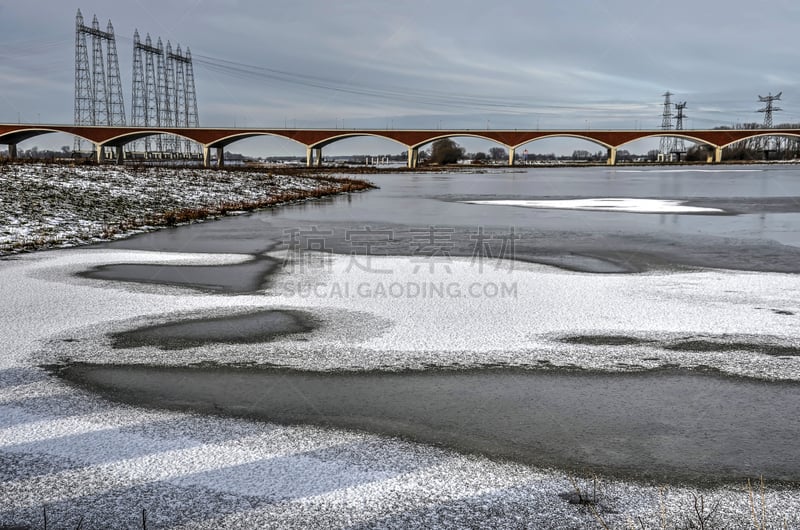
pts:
[680, 146]
[98, 87]
[144, 96]
[164, 93]
[185, 102]
[666, 146]
[769, 108]
[768, 144]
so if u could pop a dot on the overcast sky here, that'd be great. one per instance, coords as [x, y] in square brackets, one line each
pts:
[428, 64]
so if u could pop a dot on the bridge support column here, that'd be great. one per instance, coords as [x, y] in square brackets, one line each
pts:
[717, 155]
[512, 154]
[220, 157]
[206, 156]
[413, 157]
[100, 153]
[313, 156]
[12, 151]
[120, 152]
[612, 156]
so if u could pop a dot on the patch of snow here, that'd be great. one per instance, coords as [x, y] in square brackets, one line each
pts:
[628, 205]
[458, 314]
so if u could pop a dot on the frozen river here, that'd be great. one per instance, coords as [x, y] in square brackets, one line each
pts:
[646, 231]
[639, 323]
[757, 229]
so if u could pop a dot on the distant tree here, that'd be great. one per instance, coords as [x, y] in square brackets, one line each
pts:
[446, 151]
[581, 154]
[697, 153]
[498, 154]
[479, 157]
[741, 151]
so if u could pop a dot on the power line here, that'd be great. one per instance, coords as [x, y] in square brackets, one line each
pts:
[515, 105]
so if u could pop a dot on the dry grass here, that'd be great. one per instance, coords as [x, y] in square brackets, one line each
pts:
[188, 215]
[701, 513]
[52, 205]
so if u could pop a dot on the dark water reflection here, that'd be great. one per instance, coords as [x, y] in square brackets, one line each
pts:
[694, 427]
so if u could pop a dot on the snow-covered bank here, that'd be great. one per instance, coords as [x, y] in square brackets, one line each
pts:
[45, 205]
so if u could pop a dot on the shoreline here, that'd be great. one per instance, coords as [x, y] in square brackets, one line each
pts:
[67, 219]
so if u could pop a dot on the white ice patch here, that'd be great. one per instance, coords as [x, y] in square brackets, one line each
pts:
[178, 465]
[660, 170]
[606, 205]
[453, 312]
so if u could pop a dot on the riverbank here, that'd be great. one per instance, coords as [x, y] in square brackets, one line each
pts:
[55, 206]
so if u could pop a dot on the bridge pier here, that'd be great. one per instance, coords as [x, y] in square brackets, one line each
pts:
[313, 156]
[512, 154]
[100, 153]
[220, 157]
[120, 152]
[12, 151]
[206, 156]
[717, 155]
[612, 156]
[413, 157]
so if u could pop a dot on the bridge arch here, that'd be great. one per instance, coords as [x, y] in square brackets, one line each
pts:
[672, 134]
[126, 138]
[233, 138]
[413, 151]
[20, 135]
[556, 147]
[314, 149]
[459, 134]
[566, 135]
[780, 134]
[347, 135]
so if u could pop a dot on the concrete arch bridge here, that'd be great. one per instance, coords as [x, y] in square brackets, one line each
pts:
[315, 140]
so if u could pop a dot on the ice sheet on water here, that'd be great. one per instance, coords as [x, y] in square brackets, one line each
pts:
[628, 205]
[217, 465]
